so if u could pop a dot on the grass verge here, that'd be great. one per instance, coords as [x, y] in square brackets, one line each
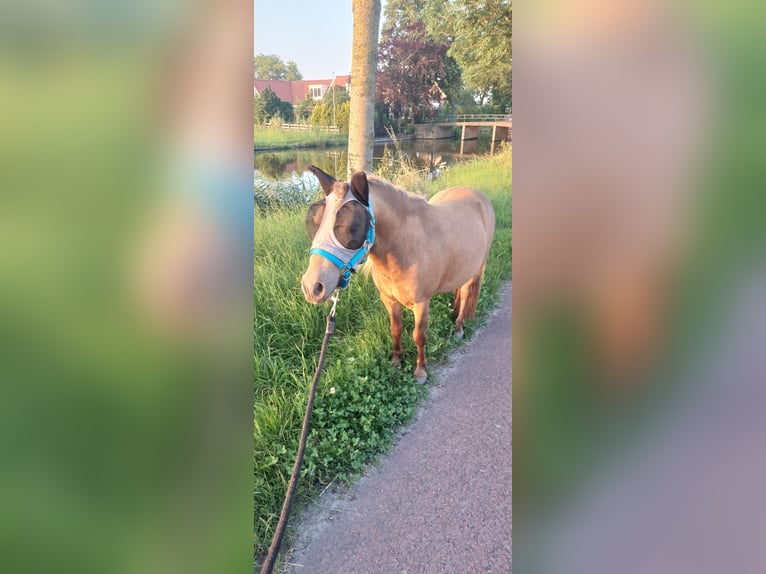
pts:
[275, 138]
[361, 400]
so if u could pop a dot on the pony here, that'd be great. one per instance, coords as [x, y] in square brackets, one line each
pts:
[416, 249]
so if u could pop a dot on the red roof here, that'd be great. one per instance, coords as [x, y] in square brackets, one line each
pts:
[282, 88]
[295, 91]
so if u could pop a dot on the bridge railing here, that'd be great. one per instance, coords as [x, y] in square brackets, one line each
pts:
[457, 118]
[481, 117]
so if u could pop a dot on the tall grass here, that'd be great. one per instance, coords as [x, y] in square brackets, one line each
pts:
[271, 138]
[272, 195]
[361, 399]
[399, 167]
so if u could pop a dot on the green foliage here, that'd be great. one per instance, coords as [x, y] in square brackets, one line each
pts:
[466, 103]
[286, 111]
[355, 417]
[303, 110]
[361, 399]
[292, 72]
[323, 114]
[338, 94]
[268, 106]
[271, 67]
[400, 13]
[431, 50]
[415, 73]
[384, 123]
[259, 110]
[481, 42]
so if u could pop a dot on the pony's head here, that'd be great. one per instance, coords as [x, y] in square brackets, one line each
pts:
[342, 230]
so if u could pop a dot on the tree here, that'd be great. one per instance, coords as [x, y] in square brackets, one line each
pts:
[303, 109]
[415, 74]
[323, 115]
[271, 67]
[271, 102]
[332, 113]
[259, 110]
[334, 109]
[286, 111]
[341, 95]
[268, 105]
[480, 32]
[402, 13]
[364, 53]
[292, 73]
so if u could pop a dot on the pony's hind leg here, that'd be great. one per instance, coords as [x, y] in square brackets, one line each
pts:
[394, 309]
[466, 300]
[419, 336]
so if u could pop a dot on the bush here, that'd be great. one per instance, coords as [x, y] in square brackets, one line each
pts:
[268, 106]
[323, 115]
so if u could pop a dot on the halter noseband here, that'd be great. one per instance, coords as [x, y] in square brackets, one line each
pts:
[358, 258]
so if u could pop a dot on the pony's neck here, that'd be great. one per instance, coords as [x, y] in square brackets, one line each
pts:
[396, 220]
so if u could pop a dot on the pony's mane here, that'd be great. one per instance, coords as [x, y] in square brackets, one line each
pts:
[393, 191]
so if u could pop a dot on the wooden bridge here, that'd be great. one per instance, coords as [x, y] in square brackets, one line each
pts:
[501, 124]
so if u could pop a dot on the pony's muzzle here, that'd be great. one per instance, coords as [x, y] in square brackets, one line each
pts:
[315, 290]
[320, 280]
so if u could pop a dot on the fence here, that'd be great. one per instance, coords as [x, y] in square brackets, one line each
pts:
[306, 127]
[480, 117]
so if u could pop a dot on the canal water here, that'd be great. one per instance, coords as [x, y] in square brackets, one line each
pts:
[430, 155]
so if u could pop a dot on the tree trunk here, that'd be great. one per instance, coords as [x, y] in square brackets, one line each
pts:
[364, 58]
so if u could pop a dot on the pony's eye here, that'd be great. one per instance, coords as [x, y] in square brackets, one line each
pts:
[351, 225]
[314, 217]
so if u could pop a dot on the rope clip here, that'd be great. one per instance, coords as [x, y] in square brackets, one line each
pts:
[331, 316]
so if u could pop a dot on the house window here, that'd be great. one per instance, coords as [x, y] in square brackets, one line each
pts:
[315, 92]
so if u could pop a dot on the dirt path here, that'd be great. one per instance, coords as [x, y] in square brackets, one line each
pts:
[440, 502]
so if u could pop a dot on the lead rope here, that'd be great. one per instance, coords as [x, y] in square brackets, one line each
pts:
[276, 541]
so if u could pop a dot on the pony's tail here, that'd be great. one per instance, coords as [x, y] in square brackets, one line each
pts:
[456, 304]
[472, 299]
[471, 290]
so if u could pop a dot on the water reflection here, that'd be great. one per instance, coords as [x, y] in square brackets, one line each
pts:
[428, 154]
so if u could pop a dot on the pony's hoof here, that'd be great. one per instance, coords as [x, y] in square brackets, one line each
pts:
[420, 376]
[458, 335]
[396, 362]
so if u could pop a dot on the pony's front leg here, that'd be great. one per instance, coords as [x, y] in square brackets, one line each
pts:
[419, 336]
[394, 309]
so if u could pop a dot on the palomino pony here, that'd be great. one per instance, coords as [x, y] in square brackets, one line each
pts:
[417, 248]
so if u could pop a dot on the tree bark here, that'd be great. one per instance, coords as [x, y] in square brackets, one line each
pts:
[364, 58]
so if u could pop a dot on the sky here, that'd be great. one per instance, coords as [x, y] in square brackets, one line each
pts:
[315, 35]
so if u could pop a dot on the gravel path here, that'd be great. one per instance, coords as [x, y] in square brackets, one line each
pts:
[440, 501]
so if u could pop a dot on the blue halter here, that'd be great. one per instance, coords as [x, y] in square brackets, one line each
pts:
[357, 259]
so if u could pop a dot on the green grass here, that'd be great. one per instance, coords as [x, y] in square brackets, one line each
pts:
[275, 138]
[361, 400]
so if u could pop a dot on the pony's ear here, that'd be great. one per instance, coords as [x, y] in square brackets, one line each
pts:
[325, 179]
[360, 188]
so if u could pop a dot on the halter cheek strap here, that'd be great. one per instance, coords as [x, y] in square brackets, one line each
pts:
[357, 259]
